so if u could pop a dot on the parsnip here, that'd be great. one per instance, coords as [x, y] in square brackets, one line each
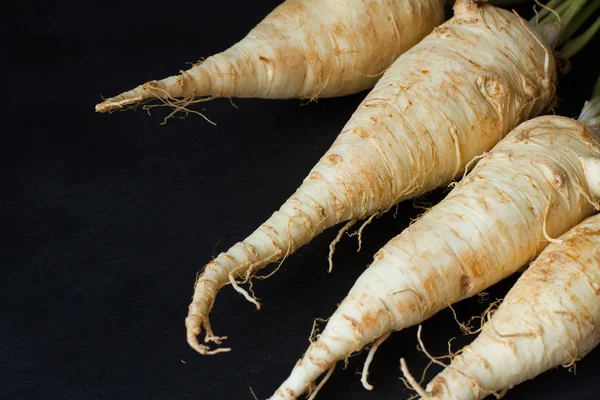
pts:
[537, 183]
[303, 49]
[549, 318]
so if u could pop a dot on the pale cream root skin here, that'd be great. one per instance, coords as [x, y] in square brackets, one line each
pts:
[491, 224]
[591, 167]
[441, 104]
[303, 49]
[549, 318]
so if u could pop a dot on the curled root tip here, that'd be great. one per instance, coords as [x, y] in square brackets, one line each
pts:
[192, 339]
[193, 324]
[214, 339]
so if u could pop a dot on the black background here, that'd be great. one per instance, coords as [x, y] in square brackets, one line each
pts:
[107, 218]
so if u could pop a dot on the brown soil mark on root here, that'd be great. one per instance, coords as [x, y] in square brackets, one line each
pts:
[250, 249]
[362, 133]
[442, 32]
[371, 318]
[474, 267]
[437, 386]
[465, 285]
[338, 208]
[180, 81]
[271, 229]
[324, 366]
[315, 176]
[334, 159]
[429, 285]
[320, 210]
[476, 65]
[322, 346]
[337, 30]
[355, 325]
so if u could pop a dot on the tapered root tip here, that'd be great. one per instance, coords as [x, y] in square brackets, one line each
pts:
[174, 90]
[116, 103]
[193, 324]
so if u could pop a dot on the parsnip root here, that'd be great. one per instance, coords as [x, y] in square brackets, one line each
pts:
[302, 49]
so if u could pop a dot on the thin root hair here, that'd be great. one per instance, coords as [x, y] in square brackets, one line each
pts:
[360, 230]
[322, 383]
[336, 241]
[370, 356]
[411, 382]
[178, 105]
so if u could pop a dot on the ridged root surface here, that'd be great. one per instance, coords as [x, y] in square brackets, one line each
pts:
[530, 187]
[549, 318]
[447, 100]
[303, 49]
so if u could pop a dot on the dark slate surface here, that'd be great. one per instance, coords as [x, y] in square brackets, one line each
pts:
[105, 219]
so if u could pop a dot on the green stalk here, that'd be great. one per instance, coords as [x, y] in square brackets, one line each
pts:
[580, 19]
[569, 15]
[551, 5]
[575, 45]
[560, 20]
